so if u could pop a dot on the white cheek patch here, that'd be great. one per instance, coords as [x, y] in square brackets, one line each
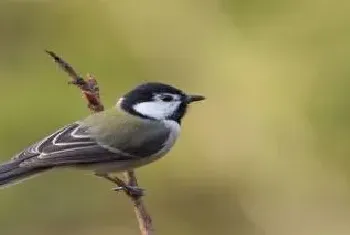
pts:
[157, 109]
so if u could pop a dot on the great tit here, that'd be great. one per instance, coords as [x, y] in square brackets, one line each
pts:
[141, 128]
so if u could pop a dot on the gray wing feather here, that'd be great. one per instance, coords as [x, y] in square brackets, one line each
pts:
[68, 146]
[75, 145]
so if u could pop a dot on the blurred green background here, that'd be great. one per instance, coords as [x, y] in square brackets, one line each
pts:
[267, 153]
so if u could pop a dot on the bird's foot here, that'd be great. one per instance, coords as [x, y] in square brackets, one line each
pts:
[132, 191]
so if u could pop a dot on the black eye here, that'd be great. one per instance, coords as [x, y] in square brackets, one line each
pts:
[166, 98]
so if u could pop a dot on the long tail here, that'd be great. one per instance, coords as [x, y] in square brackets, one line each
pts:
[11, 173]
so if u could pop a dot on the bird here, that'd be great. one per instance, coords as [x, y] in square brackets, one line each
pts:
[142, 127]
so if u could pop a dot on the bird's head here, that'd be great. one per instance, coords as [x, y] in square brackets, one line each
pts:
[157, 101]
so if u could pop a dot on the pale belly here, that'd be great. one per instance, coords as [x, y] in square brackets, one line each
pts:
[121, 166]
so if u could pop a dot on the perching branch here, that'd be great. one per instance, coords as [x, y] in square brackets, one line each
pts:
[89, 88]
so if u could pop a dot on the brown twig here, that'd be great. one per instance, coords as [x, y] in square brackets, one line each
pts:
[139, 207]
[89, 88]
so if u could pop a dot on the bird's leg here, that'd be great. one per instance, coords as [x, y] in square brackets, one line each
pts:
[132, 191]
[122, 186]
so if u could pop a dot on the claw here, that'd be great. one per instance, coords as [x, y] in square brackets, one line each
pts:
[131, 190]
[118, 189]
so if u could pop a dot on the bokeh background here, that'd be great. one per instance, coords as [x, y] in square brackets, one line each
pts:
[267, 153]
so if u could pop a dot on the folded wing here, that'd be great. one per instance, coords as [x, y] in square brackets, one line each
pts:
[68, 146]
[74, 145]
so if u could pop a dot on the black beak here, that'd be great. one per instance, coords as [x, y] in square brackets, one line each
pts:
[194, 98]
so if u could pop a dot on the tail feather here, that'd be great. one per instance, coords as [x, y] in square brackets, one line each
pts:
[12, 173]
